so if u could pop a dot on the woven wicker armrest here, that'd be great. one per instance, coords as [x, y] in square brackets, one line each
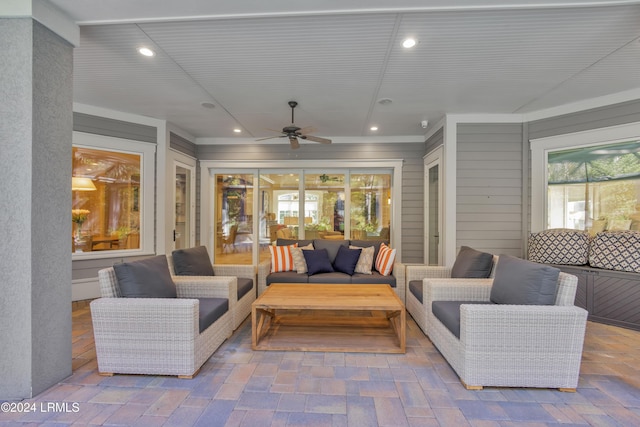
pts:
[457, 289]
[207, 287]
[264, 268]
[140, 319]
[421, 271]
[535, 328]
[237, 270]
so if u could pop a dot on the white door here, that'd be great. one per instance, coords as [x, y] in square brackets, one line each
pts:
[184, 200]
[433, 207]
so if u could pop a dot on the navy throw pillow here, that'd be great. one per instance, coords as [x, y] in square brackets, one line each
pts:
[317, 261]
[346, 260]
[192, 262]
[147, 278]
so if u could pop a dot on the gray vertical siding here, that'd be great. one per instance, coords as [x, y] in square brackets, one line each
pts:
[412, 171]
[489, 187]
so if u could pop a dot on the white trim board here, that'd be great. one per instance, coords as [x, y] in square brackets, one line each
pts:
[83, 289]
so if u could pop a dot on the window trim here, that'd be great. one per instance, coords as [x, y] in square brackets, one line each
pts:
[147, 153]
[540, 147]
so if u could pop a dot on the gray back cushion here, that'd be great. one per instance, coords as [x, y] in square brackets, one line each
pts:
[192, 262]
[148, 278]
[331, 246]
[523, 282]
[287, 242]
[472, 264]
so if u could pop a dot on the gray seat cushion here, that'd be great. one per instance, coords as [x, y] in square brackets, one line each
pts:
[415, 287]
[147, 278]
[522, 282]
[335, 277]
[374, 278]
[192, 262]
[472, 264]
[244, 285]
[448, 312]
[210, 310]
[286, 277]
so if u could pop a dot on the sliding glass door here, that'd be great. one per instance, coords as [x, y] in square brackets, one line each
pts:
[253, 208]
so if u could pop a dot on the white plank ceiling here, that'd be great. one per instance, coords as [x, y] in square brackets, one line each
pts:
[339, 58]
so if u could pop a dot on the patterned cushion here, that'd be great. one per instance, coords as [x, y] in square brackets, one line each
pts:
[298, 259]
[385, 259]
[365, 262]
[559, 246]
[616, 250]
[281, 259]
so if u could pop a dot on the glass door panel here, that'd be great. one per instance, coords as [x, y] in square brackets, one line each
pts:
[279, 207]
[370, 206]
[433, 214]
[182, 225]
[324, 204]
[234, 237]
[433, 208]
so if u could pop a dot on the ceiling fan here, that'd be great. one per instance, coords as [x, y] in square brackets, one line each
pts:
[293, 132]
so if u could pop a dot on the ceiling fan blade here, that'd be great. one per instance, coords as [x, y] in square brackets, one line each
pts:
[318, 139]
[270, 137]
[295, 144]
[306, 130]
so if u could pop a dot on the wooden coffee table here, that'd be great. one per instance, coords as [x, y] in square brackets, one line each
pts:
[328, 317]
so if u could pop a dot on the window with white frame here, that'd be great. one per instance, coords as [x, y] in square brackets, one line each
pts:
[112, 196]
[587, 181]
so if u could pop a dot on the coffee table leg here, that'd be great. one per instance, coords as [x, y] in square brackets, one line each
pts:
[258, 325]
[399, 323]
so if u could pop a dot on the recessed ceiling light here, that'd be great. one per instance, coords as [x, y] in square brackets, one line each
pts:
[385, 101]
[374, 128]
[207, 104]
[146, 51]
[236, 130]
[408, 43]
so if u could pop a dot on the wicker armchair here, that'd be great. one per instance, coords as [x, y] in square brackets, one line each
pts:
[510, 345]
[158, 336]
[415, 275]
[240, 308]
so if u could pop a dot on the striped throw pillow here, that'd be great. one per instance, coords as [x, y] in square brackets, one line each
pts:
[385, 259]
[281, 258]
